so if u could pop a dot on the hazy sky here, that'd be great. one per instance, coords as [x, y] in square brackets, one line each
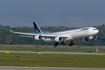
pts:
[70, 13]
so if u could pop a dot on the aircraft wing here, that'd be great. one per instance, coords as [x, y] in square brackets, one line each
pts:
[21, 33]
[50, 35]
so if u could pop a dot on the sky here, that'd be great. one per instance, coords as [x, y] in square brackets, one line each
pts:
[69, 13]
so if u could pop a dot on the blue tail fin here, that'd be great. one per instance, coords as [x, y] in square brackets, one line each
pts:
[36, 27]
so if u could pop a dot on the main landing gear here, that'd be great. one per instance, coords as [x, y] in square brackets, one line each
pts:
[62, 43]
[71, 43]
[56, 44]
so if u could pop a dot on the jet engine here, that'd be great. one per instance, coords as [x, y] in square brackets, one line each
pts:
[38, 37]
[58, 39]
[94, 37]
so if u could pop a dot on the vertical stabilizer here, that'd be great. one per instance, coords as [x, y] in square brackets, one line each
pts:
[36, 27]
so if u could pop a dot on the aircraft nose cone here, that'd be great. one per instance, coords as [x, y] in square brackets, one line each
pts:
[97, 31]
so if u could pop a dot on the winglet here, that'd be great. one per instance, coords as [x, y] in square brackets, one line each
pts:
[11, 31]
[37, 28]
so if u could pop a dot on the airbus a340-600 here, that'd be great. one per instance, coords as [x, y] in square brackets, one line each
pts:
[85, 34]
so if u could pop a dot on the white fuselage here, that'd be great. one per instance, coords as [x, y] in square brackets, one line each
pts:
[75, 34]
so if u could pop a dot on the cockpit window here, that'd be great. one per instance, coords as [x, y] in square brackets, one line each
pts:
[95, 29]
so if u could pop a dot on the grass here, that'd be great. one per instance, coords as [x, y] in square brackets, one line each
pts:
[52, 60]
[50, 48]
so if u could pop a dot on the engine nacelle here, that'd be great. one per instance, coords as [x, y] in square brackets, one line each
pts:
[94, 37]
[85, 39]
[38, 37]
[58, 39]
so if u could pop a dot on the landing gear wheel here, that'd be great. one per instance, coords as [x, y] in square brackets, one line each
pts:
[71, 43]
[56, 44]
[62, 43]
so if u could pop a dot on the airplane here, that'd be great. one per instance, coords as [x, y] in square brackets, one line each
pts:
[85, 34]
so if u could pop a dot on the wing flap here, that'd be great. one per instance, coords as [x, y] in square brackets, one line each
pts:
[25, 36]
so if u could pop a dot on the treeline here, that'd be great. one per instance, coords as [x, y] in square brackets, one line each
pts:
[6, 37]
